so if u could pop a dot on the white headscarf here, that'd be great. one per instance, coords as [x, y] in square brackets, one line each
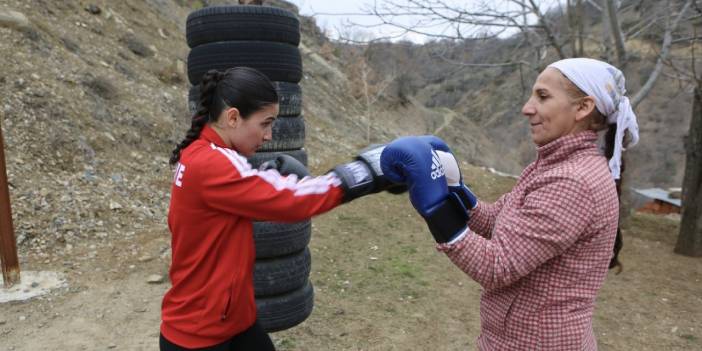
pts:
[605, 83]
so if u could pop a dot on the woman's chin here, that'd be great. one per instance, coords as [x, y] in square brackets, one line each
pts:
[246, 153]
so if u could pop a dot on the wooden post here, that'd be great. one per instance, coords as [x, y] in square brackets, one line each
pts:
[8, 245]
[690, 237]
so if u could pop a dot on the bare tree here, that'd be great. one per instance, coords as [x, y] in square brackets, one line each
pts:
[371, 93]
[546, 26]
[615, 31]
[367, 85]
[690, 237]
[606, 34]
[537, 21]
[662, 56]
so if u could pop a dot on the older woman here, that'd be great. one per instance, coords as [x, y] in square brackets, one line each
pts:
[541, 252]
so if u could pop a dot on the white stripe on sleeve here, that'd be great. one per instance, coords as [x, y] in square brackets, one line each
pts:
[305, 186]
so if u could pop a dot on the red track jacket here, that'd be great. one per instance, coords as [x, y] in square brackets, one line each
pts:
[214, 197]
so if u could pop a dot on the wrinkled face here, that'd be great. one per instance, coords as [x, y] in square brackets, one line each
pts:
[551, 112]
[247, 135]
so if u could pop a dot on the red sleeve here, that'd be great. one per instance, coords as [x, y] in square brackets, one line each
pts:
[229, 184]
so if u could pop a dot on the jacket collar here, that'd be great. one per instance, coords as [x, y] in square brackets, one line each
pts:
[565, 147]
[210, 135]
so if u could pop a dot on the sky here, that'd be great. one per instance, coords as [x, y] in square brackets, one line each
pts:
[334, 16]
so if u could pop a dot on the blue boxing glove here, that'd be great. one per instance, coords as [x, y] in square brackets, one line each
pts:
[455, 181]
[414, 162]
[453, 173]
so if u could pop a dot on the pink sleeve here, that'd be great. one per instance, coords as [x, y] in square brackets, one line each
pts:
[552, 216]
[482, 217]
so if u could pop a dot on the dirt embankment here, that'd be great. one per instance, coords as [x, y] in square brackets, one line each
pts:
[93, 98]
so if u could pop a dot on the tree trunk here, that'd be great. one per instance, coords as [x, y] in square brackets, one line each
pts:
[572, 28]
[616, 33]
[690, 237]
[581, 28]
[606, 35]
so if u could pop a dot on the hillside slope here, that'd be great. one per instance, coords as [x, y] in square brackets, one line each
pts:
[92, 103]
[468, 78]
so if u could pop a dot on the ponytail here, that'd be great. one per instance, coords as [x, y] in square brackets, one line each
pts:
[609, 152]
[208, 91]
[242, 87]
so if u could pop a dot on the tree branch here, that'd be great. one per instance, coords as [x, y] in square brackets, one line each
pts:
[665, 50]
[549, 32]
[616, 31]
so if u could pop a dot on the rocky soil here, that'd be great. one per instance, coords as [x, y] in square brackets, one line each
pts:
[93, 99]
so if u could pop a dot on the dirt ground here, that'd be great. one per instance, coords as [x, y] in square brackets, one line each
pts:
[379, 285]
[91, 105]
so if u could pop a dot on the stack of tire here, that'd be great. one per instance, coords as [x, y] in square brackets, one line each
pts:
[264, 38]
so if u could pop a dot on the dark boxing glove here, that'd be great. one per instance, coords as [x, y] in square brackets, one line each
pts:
[364, 176]
[286, 165]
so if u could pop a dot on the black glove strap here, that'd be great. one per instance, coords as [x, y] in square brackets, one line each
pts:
[447, 219]
[463, 198]
[356, 179]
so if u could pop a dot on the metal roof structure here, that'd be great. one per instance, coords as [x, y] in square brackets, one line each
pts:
[659, 194]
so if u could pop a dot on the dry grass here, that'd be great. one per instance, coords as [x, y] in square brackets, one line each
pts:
[381, 285]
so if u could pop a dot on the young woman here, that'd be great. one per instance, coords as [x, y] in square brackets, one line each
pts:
[541, 252]
[214, 197]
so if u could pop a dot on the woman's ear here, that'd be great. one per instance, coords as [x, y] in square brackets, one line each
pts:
[233, 117]
[585, 107]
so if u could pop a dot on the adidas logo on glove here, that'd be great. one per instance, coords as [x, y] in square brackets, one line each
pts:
[437, 169]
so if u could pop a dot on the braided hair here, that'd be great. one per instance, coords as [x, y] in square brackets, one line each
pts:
[609, 151]
[245, 88]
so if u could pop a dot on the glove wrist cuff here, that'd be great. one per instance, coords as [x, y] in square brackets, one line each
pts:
[447, 219]
[466, 196]
[356, 179]
[371, 156]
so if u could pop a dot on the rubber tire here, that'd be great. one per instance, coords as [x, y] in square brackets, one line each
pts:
[193, 99]
[288, 134]
[276, 313]
[279, 239]
[259, 157]
[289, 99]
[225, 23]
[278, 275]
[278, 61]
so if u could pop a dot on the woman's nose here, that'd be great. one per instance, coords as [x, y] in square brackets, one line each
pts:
[528, 109]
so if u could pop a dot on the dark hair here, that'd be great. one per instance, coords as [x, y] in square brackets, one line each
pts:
[245, 88]
[609, 152]
[598, 122]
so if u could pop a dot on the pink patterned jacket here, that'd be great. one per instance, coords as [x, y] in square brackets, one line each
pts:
[541, 251]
